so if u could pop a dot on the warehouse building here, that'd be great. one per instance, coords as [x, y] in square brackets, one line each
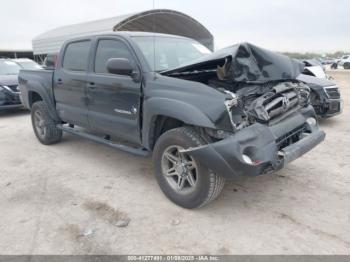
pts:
[156, 20]
[7, 53]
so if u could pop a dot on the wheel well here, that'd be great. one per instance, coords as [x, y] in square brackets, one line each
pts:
[33, 97]
[160, 125]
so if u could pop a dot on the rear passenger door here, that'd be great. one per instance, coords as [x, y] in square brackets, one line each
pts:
[114, 100]
[70, 83]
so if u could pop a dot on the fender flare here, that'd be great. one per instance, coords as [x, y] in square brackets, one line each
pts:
[176, 109]
[40, 89]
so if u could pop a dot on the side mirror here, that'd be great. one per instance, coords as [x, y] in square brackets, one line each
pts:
[120, 66]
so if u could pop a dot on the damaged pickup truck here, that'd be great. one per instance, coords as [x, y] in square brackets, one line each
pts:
[205, 117]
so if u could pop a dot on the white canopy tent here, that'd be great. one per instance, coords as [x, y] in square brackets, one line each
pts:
[156, 20]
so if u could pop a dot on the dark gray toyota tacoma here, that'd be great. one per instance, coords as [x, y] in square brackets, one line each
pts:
[206, 117]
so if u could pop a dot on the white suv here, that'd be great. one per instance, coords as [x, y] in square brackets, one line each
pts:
[345, 61]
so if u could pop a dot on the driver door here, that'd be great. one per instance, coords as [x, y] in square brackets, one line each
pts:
[113, 100]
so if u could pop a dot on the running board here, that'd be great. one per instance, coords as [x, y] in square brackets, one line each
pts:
[128, 149]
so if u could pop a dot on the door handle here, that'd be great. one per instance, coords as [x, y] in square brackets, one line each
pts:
[91, 85]
[59, 81]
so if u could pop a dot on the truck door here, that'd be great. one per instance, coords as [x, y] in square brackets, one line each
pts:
[113, 100]
[70, 83]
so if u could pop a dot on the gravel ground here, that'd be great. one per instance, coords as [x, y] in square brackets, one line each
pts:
[78, 197]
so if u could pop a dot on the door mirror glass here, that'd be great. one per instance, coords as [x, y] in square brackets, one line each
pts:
[120, 66]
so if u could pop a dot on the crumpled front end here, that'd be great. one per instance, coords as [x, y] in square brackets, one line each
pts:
[261, 148]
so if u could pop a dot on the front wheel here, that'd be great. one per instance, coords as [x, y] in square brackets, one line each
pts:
[44, 126]
[183, 179]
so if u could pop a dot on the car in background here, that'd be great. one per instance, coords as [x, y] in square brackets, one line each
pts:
[9, 91]
[26, 63]
[345, 61]
[314, 68]
[324, 96]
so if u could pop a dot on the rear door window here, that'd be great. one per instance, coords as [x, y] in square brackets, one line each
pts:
[76, 56]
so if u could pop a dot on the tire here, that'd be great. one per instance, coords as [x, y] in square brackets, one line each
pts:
[347, 65]
[201, 185]
[43, 125]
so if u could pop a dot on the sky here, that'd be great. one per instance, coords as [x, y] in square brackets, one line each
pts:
[281, 25]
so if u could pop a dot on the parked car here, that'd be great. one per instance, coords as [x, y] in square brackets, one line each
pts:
[314, 68]
[204, 117]
[325, 95]
[345, 61]
[9, 90]
[26, 63]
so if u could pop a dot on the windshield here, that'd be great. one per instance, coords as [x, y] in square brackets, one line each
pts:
[30, 65]
[9, 68]
[171, 52]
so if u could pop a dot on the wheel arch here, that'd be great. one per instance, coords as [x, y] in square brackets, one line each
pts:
[160, 114]
[38, 92]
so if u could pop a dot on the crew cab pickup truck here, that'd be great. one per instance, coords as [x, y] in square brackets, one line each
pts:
[205, 117]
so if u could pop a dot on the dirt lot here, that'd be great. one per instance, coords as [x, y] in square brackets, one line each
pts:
[68, 198]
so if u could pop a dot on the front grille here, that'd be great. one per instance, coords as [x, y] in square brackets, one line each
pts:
[333, 92]
[291, 137]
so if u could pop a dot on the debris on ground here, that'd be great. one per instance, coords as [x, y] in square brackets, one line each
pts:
[87, 232]
[175, 222]
[123, 222]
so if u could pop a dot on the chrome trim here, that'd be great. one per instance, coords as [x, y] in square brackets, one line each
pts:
[10, 90]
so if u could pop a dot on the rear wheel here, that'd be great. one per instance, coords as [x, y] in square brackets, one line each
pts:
[183, 179]
[44, 126]
[347, 65]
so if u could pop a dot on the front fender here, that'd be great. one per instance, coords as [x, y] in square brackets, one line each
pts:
[179, 110]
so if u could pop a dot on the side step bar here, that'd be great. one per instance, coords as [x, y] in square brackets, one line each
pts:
[128, 149]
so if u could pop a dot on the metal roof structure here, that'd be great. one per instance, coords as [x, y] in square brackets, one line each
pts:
[157, 20]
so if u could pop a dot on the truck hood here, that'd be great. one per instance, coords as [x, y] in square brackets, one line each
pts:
[244, 63]
[8, 80]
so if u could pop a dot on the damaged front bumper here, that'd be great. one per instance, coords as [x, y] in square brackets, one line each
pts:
[264, 145]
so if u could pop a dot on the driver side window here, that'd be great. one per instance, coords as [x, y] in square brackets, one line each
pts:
[107, 49]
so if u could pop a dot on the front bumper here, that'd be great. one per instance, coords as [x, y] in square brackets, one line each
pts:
[260, 142]
[331, 107]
